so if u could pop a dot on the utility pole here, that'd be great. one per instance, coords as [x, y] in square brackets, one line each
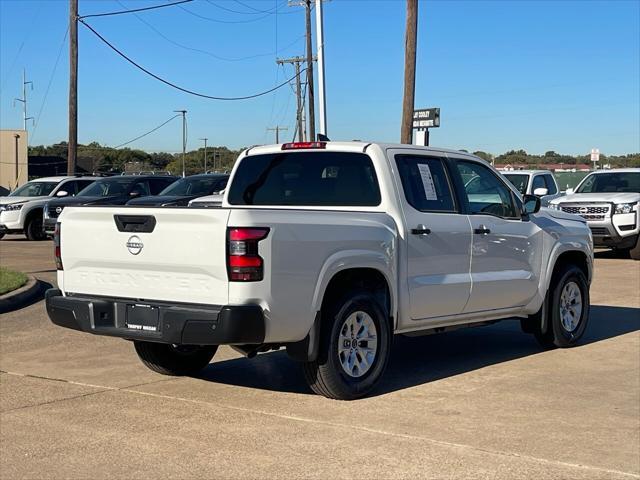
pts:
[205, 155]
[17, 137]
[277, 129]
[322, 102]
[72, 156]
[296, 61]
[184, 138]
[23, 100]
[312, 117]
[406, 131]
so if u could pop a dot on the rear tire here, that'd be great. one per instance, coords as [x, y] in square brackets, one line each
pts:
[355, 344]
[568, 308]
[174, 360]
[33, 230]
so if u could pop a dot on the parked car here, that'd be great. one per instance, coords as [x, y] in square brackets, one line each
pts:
[609, 200]
[107, 191]
[184, 190]
[540, 183]
[326, 249]
[21, 210]
[208, 201]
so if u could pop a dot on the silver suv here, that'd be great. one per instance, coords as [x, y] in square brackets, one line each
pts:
[609, 200]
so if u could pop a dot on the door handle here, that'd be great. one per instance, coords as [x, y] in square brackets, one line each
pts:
[481, 230]
[420, 230]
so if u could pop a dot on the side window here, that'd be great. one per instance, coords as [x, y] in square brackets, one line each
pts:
[70, 187]
[157, 185]
[538, 182]
[551, 184]
[140, 188]
[486, 194]
[425, 183]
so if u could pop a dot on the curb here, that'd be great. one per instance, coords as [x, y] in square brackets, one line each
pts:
[16, 298]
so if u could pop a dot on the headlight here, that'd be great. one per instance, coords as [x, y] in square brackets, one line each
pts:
[13, 206]
[624, 207]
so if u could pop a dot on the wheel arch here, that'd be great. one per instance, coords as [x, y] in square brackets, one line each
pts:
[368, 277]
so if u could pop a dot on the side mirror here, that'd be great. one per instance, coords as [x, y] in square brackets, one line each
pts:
[569, 191]
[541, 192]
[62, 193]
[530, 204]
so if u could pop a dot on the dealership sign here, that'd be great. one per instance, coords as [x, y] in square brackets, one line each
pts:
[426, 118]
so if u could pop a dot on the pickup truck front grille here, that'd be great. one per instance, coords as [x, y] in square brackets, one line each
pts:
[589, 212]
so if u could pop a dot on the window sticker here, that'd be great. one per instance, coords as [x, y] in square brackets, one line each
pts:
[427, 182]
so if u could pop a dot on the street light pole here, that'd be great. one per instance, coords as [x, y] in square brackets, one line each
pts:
[184, 138]
[322, 102]
[205, 154]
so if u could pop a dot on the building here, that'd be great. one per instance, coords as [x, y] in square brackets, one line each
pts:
[14, 169]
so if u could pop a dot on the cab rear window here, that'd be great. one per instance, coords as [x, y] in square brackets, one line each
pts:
[306, 178]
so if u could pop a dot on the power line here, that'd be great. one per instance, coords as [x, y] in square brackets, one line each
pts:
[254, 12]
[46, 93]
[145, 134]
[217, 20]
[120, 12]
[177, 87]
[206, 52]
[270, 11]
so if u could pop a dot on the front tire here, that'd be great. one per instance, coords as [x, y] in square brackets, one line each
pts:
[33, 230]
[176, 360]
[568, 308]
[635, 251]
[355, 344]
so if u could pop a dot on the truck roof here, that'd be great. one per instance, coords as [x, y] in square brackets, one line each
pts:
[355, 146]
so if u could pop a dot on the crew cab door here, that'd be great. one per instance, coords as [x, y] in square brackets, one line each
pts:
[507, 249]
[438, 237]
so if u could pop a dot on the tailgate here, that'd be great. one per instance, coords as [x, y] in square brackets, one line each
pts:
[173, 255]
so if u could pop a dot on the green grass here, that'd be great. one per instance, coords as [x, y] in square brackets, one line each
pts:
[10, 280]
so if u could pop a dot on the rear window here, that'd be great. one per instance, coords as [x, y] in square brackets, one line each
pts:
[306, 178]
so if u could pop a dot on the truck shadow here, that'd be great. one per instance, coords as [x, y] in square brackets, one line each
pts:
[418, 360]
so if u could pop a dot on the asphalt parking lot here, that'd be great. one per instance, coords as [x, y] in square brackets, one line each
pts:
[483, 402]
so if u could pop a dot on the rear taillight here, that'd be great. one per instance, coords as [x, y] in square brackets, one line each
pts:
[56, 247]
[243, 262]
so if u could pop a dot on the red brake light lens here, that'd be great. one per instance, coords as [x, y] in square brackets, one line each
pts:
[243, 262]
[303, 145]
[56, 247]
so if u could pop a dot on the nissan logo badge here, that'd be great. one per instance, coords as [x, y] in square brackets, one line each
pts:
[583, 210]
[58, 210]
[134, 245]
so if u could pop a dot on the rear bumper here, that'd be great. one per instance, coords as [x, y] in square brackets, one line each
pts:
[178, 324]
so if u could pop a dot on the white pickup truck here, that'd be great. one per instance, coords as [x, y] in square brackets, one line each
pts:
[327, 249]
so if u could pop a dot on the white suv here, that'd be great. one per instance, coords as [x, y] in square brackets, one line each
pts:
[21, 210]
[609, 200]
[540, 183]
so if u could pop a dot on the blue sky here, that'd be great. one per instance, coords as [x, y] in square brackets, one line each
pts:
[539, 75]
